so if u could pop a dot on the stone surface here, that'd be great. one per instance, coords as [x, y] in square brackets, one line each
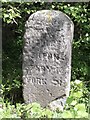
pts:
[47, 58]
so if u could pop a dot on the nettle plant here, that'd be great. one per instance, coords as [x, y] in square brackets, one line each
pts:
[76, 106]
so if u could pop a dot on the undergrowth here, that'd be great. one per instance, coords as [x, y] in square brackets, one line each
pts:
[76, 106]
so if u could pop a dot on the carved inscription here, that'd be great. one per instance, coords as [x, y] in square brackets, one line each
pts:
[37, 80]
[43, 81]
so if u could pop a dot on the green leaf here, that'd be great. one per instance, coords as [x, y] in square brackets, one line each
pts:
[78, 94]
[78, 82]
[69, 99]
[74, 102]
[82, 114]
[36, 105]
[47, 112]
[80, 107]
[6, 15]
[67, 114]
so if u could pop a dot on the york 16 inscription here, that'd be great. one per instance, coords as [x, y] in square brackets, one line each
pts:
[43, 81]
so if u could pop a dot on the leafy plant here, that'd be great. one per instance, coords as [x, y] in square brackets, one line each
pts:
[73, 108]
[76, 107]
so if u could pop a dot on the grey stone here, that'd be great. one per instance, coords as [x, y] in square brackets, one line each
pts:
[47, 58]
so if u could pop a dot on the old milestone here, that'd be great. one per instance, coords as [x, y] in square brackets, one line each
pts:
[47, 58]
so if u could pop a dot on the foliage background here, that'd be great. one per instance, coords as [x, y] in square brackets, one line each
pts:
[14, 16]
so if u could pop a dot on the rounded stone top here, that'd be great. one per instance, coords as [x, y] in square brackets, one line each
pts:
[49, 18]
[50, 14]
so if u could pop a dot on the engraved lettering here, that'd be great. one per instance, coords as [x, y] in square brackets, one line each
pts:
[38, 81]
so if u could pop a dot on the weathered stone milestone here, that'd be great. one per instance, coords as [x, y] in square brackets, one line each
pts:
[47, 58]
